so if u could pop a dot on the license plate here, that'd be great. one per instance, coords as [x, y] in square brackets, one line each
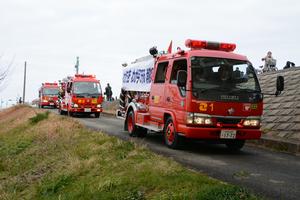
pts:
[51, 104]
[87, 110]
[228, 134]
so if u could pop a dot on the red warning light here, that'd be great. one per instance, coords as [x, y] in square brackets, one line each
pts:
[195, 44]
[227, 47]
[200, 44]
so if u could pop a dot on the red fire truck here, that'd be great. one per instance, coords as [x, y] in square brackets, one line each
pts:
[205, 92]
[48, 95]
[80, 94]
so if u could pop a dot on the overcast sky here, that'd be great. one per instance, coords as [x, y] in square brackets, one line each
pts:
[104, 34]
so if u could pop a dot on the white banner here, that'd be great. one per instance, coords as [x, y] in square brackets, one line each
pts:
[137, 76]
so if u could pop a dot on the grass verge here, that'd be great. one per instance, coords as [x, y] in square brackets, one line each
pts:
[57, 158]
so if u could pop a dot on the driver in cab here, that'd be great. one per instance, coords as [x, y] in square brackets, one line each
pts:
[224, 73]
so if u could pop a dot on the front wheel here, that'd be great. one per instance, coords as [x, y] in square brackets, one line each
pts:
[235, 145]
[97, 115]
[134, 131]
[130, 123]
[171, 137]
[70, 114]
[60, 111]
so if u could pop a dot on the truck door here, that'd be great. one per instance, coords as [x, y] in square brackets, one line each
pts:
[157, 93]
[175, 97]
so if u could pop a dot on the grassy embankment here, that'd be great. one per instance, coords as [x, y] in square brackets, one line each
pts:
[110, 107]
[45, 156]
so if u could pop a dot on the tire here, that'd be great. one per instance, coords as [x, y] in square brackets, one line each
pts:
[134, 131]
[97, 115]
[235, 145]
[130, 123]
[171, 137]
[122, 97]
[61, 112]
[70, 114]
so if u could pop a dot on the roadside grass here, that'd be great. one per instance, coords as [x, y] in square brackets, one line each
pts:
[57, 158]
[39, 117]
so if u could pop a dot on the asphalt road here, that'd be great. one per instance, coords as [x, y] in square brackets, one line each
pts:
[270, 174]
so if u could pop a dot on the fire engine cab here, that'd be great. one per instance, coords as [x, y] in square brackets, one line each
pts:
[80, 94]
[205, 92]
[48, 95]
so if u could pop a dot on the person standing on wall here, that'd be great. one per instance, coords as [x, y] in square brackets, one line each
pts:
[270, 63]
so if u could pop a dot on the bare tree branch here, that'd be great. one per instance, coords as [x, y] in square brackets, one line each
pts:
[4, 72]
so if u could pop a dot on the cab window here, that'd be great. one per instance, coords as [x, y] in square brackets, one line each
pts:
[160, 75]
[177, 65]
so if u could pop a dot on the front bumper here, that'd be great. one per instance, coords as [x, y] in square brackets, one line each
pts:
[86, 110]
[214, 132]
[53, 104]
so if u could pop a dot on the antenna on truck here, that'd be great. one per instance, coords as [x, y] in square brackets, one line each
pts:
[77, 65]
[170, 47]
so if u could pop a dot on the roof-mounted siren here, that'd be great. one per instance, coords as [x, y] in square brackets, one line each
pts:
[50, 83]
[153, 51]
[85, 76]
[201, 44]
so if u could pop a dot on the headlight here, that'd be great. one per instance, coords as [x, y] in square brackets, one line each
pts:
[190, 118]
[99, 106]
[208, 121]
[75, 105]
[198, 118]
[251, 122]
[45, 101]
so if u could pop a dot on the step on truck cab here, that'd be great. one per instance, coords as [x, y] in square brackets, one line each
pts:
[48, 95]
[80, 95]
[206, 92]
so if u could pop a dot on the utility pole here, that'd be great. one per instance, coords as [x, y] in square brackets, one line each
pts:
[24, 85]
[77, 65]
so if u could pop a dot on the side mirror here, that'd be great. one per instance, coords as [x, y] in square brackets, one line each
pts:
[279, 85]
[181, 78]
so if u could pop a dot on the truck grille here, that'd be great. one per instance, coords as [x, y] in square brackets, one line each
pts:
[225, 120]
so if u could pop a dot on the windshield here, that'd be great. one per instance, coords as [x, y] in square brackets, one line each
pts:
[223, 75]
[50, 91]
[86, 88]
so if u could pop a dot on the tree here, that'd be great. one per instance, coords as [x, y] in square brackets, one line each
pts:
[4, 72]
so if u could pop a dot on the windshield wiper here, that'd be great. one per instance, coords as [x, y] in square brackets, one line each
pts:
[200, 90]
[82, 94]
[203, 90]
[244, 90]
[94, 94]
[87, 94]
